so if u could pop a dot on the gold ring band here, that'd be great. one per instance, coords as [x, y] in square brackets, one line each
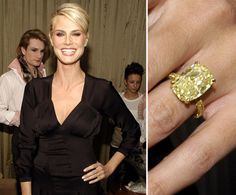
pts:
[190, 85]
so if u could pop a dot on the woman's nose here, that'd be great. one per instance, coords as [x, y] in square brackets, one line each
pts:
[68, 40]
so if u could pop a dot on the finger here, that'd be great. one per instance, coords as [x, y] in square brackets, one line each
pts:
[155, 10]
[219, 104]
[95, 177]
[90, 175]
[212, 140]
[94, 181]
[95, 170]
[91, 167]
[100, 177]
[165, 113]
[167, 45]
[175, 38]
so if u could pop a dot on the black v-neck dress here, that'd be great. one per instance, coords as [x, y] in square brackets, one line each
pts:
[53, 155]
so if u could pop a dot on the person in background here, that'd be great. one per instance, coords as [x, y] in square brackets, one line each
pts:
[32, 52]
[135, 102]
[62, 113]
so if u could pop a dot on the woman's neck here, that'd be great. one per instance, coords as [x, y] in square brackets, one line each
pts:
[129, 95]
[68, 76]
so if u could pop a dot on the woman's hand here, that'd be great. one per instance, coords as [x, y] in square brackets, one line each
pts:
[181, 33]
[16, 119]
[96, 172]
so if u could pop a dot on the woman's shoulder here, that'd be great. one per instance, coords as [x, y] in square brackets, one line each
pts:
[99, 83]
[9, 73]
[98, 87]
[96, 79]
[9, 76]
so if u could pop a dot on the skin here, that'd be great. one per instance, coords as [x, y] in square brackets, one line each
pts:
[182, 33]
[33, 54]
[68, 41]
[132, 83]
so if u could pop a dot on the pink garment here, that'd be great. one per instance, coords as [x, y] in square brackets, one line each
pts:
[15, 65]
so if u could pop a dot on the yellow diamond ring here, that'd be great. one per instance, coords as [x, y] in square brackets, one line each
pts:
[190, 85]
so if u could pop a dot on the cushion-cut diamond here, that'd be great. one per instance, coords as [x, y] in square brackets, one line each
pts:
[192, 83]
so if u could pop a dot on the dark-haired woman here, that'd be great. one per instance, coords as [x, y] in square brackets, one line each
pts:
[32, 52]
[135, 102]
[133, 99]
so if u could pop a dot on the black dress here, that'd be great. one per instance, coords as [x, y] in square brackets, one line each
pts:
[53, 155]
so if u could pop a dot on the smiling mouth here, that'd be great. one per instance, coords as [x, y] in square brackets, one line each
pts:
[68, 51]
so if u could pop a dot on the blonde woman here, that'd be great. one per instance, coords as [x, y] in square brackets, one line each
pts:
[62, 113]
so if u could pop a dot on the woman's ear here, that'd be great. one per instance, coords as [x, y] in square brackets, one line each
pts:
[23, 51]
[86, 41]
[125, 82]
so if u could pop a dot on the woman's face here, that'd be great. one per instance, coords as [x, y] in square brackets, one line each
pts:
[33, 54]
[68, 40]
[133, 83]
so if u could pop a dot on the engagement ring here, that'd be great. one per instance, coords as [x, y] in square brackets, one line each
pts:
[190, 85]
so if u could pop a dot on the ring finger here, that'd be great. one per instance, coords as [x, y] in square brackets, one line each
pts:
[167, 112]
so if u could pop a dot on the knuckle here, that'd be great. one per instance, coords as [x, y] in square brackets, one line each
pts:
[201, 157]
[162, 116]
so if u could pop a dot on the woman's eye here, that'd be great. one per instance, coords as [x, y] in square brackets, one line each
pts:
[59, 34]
[77, 34]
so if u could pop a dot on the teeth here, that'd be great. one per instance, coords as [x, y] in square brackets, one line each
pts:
[68, 51]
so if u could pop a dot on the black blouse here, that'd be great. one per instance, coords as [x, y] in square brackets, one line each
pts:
[66, 149]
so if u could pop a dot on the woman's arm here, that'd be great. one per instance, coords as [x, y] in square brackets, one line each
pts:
[7, 117]
[113, 163]
[114, 107]
[26, 188]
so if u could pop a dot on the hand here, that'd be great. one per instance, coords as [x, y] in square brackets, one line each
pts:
[96, 172]
[16, 119]
[184, 32]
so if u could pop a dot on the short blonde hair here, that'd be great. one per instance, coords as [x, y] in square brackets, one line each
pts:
[74, 13]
